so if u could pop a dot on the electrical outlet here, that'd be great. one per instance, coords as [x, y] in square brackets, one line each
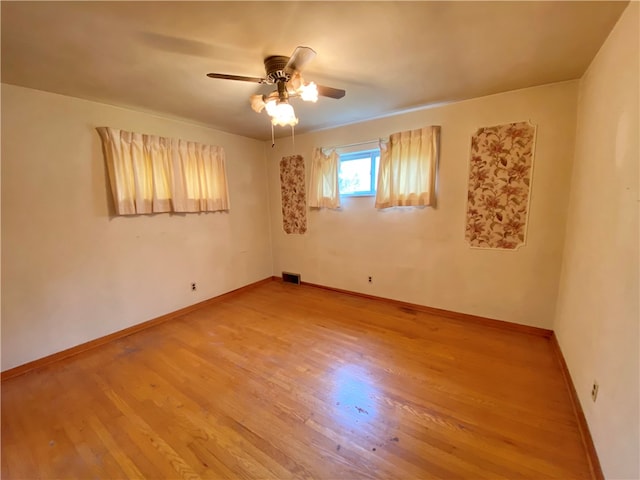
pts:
[594, 391]
[370, 279]
[193, 287]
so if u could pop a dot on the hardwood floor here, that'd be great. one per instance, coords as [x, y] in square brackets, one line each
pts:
[286, 381]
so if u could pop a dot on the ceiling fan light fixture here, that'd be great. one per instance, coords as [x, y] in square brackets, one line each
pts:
[283, 114]
[270, 107]
[285, 73]
[257, 103]
[309, 92]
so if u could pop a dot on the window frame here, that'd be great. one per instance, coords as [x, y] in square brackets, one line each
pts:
[370, 154]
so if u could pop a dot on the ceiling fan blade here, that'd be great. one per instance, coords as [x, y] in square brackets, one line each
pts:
[299, 58]
[330, 92]
[224, 76]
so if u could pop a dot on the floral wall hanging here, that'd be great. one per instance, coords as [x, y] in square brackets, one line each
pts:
[500, 174]
[294, 197]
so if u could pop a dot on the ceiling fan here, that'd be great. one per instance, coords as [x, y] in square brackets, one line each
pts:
[286, 74]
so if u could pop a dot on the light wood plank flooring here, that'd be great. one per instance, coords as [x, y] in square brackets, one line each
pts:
[286, 381]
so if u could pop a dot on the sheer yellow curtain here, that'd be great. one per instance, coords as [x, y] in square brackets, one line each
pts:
[139, 171]
[150, 174]
[158, 152]
[323, 180]
[200, 178]
[407, 172]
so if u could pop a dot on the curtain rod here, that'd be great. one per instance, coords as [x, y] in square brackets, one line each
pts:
[356, 144]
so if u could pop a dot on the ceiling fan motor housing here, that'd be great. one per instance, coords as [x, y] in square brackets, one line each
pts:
[275, 68]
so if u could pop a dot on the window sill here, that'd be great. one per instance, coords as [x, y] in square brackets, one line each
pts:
[356, 195]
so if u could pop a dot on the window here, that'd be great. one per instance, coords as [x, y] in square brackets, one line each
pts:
[358, 173]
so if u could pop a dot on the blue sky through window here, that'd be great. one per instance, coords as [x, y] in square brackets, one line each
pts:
[358, 173]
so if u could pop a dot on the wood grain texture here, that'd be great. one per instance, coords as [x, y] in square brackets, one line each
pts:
[286, 381]
[489, 322]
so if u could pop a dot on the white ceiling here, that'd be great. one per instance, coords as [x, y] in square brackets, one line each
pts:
[388, 56]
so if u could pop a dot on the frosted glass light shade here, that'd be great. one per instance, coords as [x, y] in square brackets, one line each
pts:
[257, 103]
[309, 92]
[270, 106]
[283, 114]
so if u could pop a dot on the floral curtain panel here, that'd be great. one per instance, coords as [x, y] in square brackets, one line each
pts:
[500, 175]
[294, 203]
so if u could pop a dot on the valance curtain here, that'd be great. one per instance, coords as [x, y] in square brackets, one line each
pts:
[150, 174]
[323, 180]
[407, 172]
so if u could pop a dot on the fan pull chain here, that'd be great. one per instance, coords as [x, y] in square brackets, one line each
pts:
[293, 139]
[273, 142]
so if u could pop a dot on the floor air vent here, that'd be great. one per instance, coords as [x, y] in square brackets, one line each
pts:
[291, 278]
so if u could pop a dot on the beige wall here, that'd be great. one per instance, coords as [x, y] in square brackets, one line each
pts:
[598, 319]
[70, 271]
[420, 255]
